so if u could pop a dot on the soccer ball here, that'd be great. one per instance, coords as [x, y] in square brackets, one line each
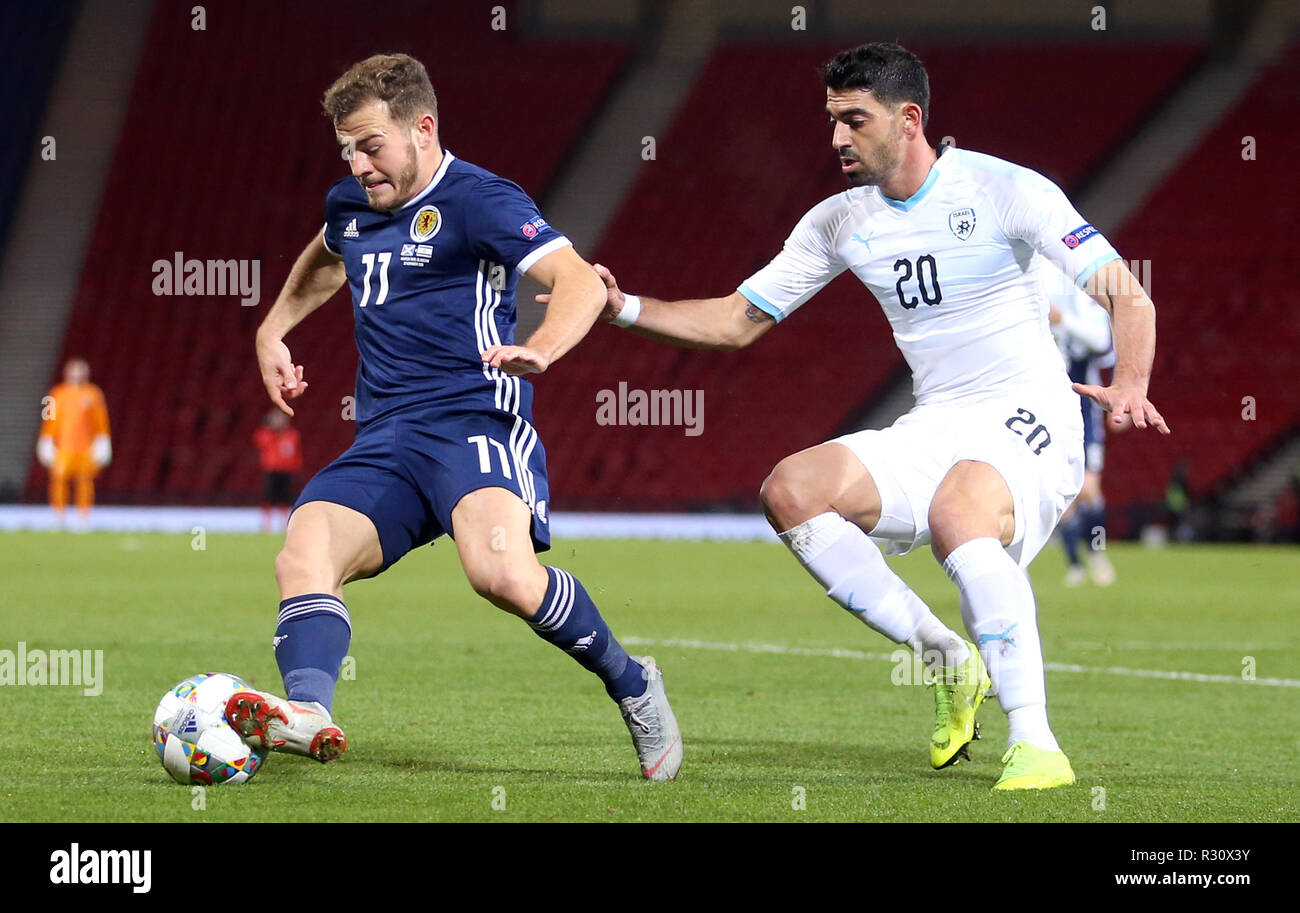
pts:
[194, 741]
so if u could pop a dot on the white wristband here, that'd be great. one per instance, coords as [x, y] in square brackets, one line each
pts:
[631, 311]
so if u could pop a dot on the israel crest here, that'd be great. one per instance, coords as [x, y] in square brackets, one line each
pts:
[962, 223]
[426, 223]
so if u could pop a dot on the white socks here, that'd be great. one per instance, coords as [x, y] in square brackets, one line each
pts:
[998, 608]
[848, 564]
[1029, 724]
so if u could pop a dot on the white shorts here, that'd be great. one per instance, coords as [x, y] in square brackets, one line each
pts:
[1033, 438]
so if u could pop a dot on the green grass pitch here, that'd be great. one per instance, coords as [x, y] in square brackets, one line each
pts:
[455, 705]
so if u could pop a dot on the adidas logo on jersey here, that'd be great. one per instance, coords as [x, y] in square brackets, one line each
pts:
[351, 230]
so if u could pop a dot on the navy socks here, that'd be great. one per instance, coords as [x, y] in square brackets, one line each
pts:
[570, 620]
[312, 635]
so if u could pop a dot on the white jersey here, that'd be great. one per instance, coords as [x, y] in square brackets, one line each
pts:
[952, 269]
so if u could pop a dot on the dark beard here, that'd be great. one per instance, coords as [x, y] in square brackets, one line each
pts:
[882, 169]
[404, 182]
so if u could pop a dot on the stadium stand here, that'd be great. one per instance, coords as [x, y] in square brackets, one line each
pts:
[1219, 233]
[30, 49]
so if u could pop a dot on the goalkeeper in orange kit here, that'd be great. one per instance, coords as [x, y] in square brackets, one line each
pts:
[74, 443]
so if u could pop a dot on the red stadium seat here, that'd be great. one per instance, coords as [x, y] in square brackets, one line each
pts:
[1220, 236]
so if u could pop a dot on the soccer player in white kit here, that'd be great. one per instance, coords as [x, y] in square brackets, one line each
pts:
[984, 465]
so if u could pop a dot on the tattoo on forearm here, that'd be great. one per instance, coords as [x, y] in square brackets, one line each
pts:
[755, 314]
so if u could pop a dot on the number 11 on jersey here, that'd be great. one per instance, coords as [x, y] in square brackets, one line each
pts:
[368, 260]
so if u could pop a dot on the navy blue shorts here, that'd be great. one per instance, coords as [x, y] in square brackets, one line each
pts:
[408, 473]
[1094, 430]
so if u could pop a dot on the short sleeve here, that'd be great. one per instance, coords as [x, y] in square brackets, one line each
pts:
[331, 231]
[1036, 211]
[806, 263]
[505, 226]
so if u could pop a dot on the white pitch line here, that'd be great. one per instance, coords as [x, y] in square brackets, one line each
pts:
[841, 653]
[1177, 645]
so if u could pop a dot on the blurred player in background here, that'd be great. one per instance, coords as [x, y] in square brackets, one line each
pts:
[985, 464]
[1082, 332]
[74, 443]
[279, 450]
[431, 248]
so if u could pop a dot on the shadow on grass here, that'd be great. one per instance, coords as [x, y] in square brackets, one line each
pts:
[724, 761]
[570, 768]
[826, 762]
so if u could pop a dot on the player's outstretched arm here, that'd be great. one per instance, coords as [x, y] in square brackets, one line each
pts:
[316, 276]
[1133, 323]
[576, 298]
[724, 324]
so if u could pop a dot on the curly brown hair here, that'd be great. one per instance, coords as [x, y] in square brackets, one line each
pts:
[399, 80]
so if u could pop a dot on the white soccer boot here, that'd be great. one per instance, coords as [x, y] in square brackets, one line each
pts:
[296, 727]
[655, 734]
[1100, 569]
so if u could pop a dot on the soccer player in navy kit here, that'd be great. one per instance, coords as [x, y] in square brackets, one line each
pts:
[431, 248]
[1082, 332]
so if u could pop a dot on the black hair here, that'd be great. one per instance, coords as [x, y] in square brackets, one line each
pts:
[891, 72]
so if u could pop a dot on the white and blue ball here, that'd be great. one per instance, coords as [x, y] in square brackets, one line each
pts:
[193, 739]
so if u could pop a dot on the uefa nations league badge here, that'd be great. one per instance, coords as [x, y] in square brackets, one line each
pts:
[962, 223]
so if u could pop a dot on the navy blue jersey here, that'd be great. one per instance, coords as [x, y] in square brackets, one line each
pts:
[433, 285]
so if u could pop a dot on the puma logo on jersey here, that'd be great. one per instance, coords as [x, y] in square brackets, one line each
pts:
[861, 240]
[1005, 637]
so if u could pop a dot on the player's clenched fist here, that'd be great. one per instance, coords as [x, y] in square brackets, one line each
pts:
[282, 379]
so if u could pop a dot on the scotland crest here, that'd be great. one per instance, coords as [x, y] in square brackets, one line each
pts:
[962, 223]
[426, 224]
